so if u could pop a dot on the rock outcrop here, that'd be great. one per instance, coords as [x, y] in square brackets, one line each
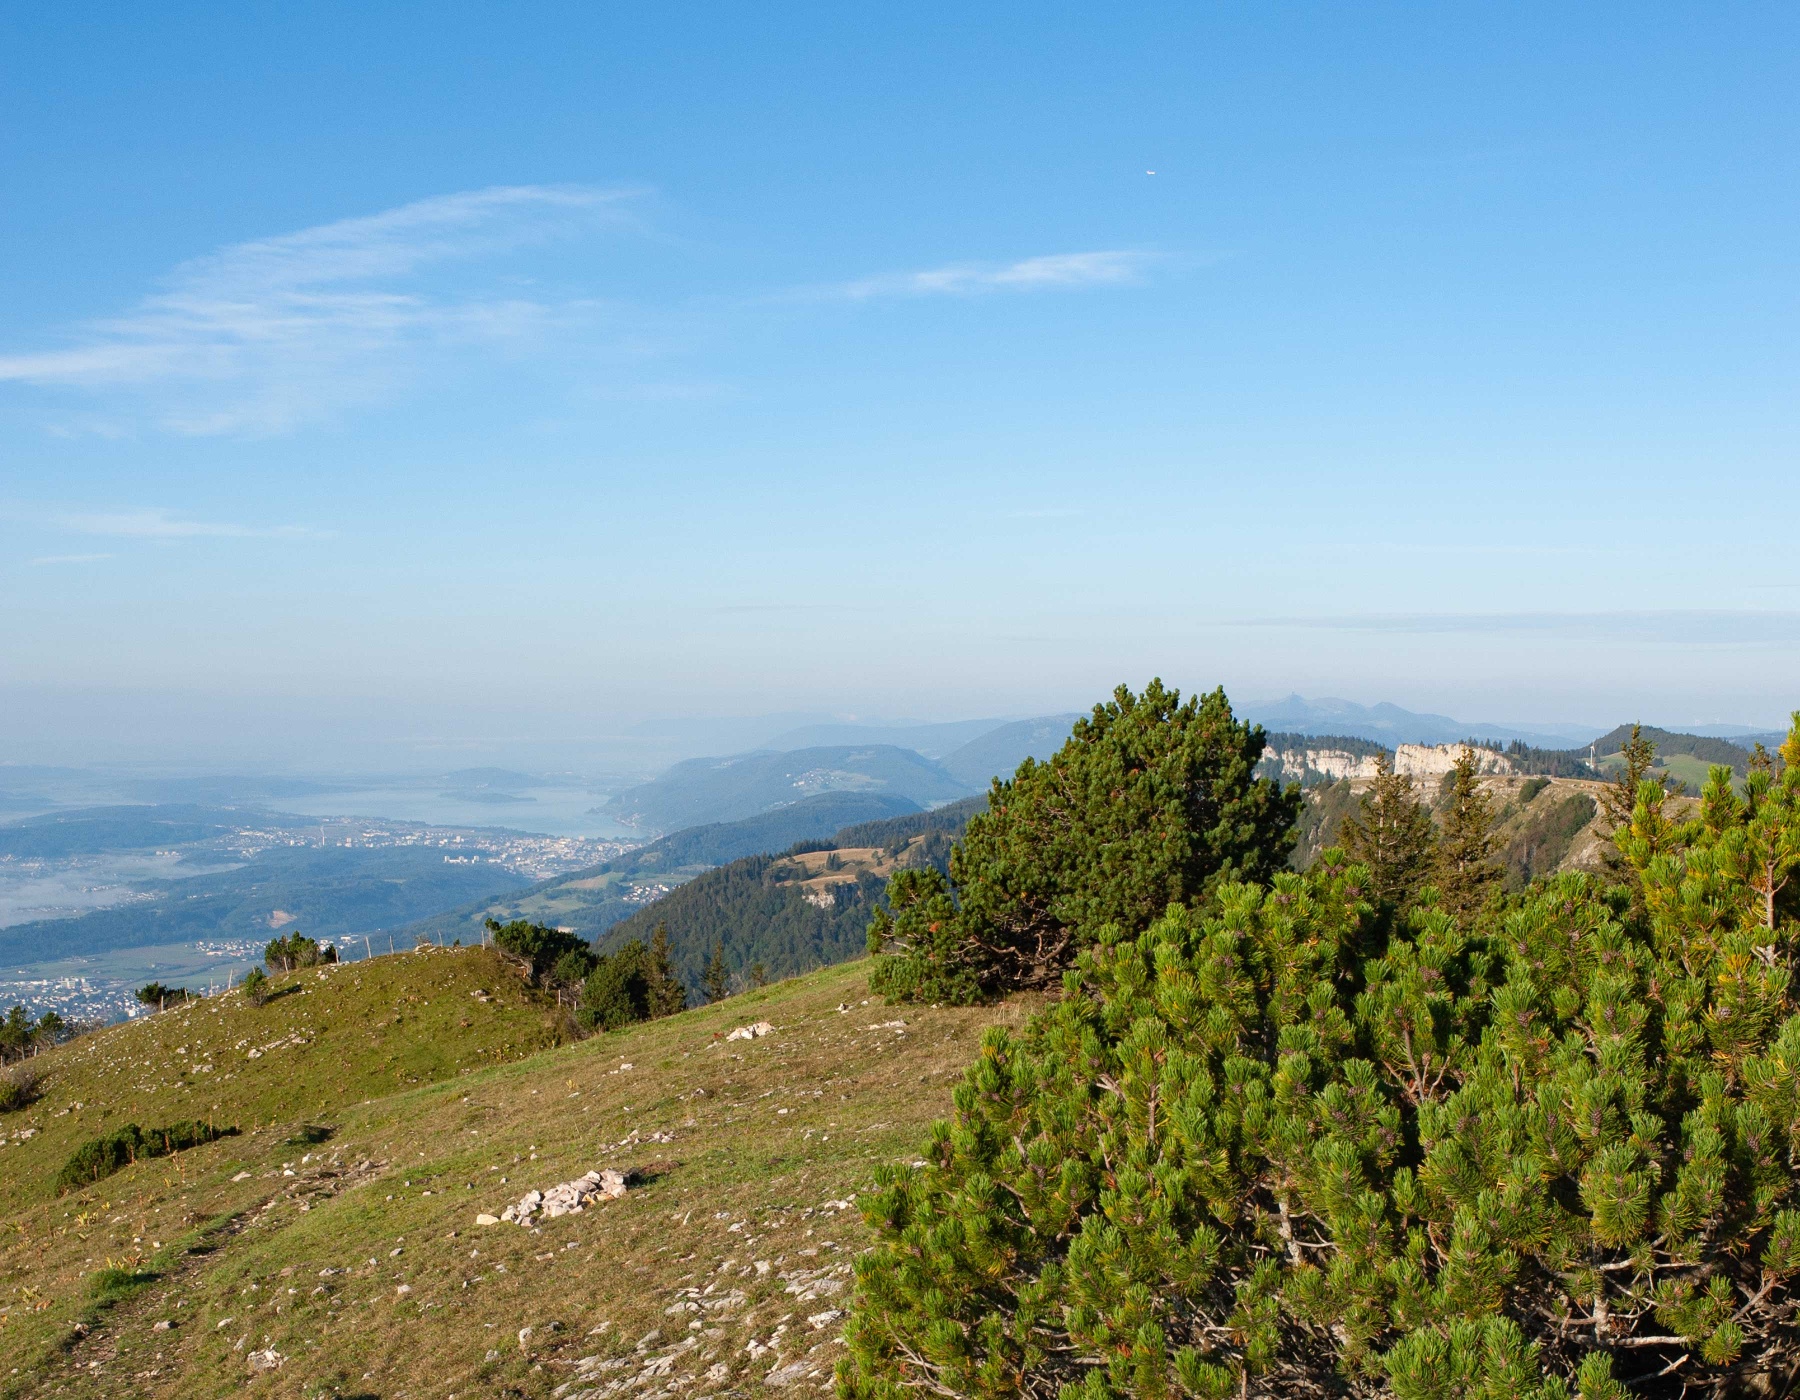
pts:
[1435, 760]
[566, 1197]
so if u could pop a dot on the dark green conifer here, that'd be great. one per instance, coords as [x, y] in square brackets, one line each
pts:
[1619, 798]
[666, 995]
[715, 977]
[1152, 801]
[1392, 834]
[1463, 868]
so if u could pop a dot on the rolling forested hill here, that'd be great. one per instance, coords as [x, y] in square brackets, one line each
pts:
[794, 912]
[743, 785]
[97, 830]
[702, 847]
[999, 752]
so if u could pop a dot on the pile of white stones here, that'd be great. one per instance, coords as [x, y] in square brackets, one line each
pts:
[755, 1031]
[566, 1197]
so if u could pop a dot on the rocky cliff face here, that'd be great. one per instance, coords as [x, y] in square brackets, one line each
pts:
[1294, 763]
[1435, 760]
[1297, 765]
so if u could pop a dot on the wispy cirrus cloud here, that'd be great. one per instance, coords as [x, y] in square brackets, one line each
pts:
[159, 524]
[1052, 271]
[263, 335]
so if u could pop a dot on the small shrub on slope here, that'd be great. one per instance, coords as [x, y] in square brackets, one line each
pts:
[20, 1086]
[100, 1157]
[1276, 1147]
[539, 951]
[157, 995]
[295, 951]
[20, 1036]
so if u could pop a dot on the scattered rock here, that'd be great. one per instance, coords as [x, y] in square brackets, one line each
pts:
[824, 1319]
[486, 1219]
[566, 1197]
[755, 1031]
[787, 1375]
[525, 1337]
[268, 1359]
[163, 1326]
[241, 1176]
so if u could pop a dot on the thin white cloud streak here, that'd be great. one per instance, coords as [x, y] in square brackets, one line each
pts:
[71, 558]
[263, 335]
[157, 524]
[1050, 272]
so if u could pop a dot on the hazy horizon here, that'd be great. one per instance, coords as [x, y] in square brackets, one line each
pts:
[175, 740]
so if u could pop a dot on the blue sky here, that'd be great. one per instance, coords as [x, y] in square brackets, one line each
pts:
[532, 370]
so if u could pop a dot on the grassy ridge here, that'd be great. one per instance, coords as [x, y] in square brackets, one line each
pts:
[356, 1259]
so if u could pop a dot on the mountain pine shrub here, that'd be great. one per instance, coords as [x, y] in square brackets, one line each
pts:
[294, 951]
[1150, 802]
[536, 949]
[98, 1158]
[1278, 1146]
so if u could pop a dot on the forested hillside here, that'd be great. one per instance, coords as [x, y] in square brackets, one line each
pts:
[702, 847]
[591, 901]
[787, 914]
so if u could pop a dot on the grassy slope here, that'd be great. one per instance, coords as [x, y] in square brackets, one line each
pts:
[766, 1135]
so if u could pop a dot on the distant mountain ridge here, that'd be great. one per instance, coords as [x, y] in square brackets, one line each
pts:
[1390, 725]
[998, 753]
[932, 740]
[742, 785]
